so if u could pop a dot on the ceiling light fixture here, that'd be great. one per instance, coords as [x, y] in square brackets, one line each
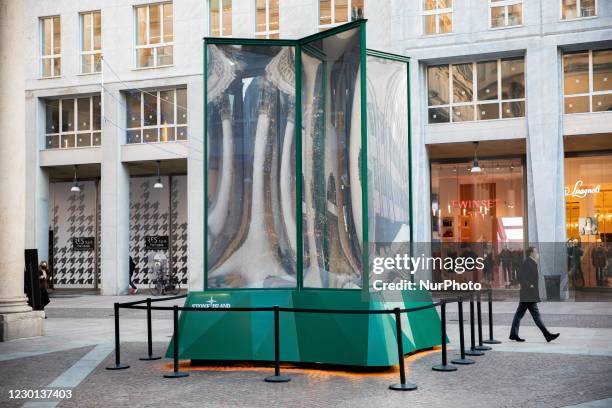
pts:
[475, 167]
[158, 184]
[75, 187]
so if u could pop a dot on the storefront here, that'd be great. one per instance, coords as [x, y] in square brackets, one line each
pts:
[588, 206]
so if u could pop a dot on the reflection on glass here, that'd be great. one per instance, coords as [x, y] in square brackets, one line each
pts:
[487, 80]
[513, 109]
[463, 113]
[602, 70]
[52, 116]
[602, 103]
[439, 115]
[576, 73]
[437, 85]
[462, 82]
[513, 78]
[487, 111]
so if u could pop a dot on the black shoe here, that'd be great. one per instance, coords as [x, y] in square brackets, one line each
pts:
[551, 337]
[516, 338]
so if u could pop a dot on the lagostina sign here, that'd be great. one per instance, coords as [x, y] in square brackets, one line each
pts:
[580, 192]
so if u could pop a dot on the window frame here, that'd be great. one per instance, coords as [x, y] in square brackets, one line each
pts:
[349, 5]
[51, 56]
[220, 6]
[474, 102]
[148, 45]
[505, 4]
[267, 33]
[591, 92]
[91, 131]
[435, 12]
[94, 52]
[578, 16]
[158, 126]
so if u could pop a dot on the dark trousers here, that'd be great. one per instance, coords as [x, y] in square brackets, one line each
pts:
[535, 313]
[131, 282]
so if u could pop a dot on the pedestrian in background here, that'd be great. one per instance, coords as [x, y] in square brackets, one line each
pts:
[133, 288]
[43, 284]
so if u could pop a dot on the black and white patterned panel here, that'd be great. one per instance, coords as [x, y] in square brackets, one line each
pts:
[178, 240]
[73, 214]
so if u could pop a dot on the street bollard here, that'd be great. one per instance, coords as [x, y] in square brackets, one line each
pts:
[480, 346]
[472, 351]
[491, 340]
[277, 377]
[176, 373]
[149, 356]
[461, 360]
[403, 385]
[118, 365]
[444, 366]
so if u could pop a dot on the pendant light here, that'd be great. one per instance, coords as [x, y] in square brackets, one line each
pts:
[475, 167]
[75, 187]
[158, 184]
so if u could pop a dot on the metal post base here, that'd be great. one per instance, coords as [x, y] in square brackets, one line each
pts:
[176, 374]
[277, 379]
[491, 341]
[474, 352]
[403, 387]
[463, 361]
[149, 358]
[483, 348]
[119, 366]
[444, 367]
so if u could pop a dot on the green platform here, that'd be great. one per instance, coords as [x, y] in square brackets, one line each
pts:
[356, 340]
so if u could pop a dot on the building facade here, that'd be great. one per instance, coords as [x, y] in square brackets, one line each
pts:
[114, 104]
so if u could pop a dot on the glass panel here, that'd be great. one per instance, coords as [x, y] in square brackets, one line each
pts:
[132, 100]
[86, 66]
[155, 24]
[429, 4]
[446, 23]
[439, 115]
[150, 135]
[181, 133]
[164, 55]
[487, 80]
[97, 21]
[47, 67]
[498, 16]
[445, 4]
[215, 18]
[331, 144]
[437, 85]
[67, 115]
[141, 18]
[144, 57]
[86, 34]
[325, 16]
[97, 62]
[513, 109]
[274, 7]
[150, 108]
[97, 138]
[166, 134]
[587, 8]
[576, 104]
[515, 14]
[568, 9]
[227, 17]
[57, 66]
[260, 16]
[134, 136]
[52, 116]
[251, 168]
[52, 142]
[602, 103]
[83, 106]
[47, 27]
[513, 78]
[429, 24]
[487, 111]
[463, 85]
[602, 70]
[166, 99]
[97, 114]
[341, 11]
[57, 43]
[83, 139]
[181, 108]
[463, 113]
[168, 23]
[357, 11]
[67, 141]
[576, 73]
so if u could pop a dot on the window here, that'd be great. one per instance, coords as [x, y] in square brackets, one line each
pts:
[154, 35]
[221, 18]
[571, 9]
[72, 122]
[587, 81]
[51, 47]
[336, 12]
[266, 19]
[437, 16]
[506, 13]
[156, 116]
[476, 91]
[91, 42]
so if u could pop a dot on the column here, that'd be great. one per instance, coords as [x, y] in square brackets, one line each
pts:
[16, 318]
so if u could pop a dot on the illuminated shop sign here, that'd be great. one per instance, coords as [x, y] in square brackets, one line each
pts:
[474, 203]
[580, 192]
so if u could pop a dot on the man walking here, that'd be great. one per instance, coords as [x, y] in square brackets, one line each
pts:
[529, 297]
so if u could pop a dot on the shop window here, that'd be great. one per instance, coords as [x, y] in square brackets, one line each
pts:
[479, 91]
[266, 18]
[220, 18]
[154, 35]
[156, 116]
[572, 9]
[437, 17]
[91, 42]
[51, 47]
[72, 122]
[336, 12]
[587, 81]
[505, 13]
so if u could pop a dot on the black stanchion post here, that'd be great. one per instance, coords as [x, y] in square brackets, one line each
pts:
[472, 351]
[491, 340]
[277, 378]
[118, 365]
[149, 336]
[176, 373]
[403, 385]
[462, 359]
[480, 346]
[444, 366]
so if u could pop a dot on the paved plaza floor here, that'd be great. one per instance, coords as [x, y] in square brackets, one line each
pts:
[575, 370]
